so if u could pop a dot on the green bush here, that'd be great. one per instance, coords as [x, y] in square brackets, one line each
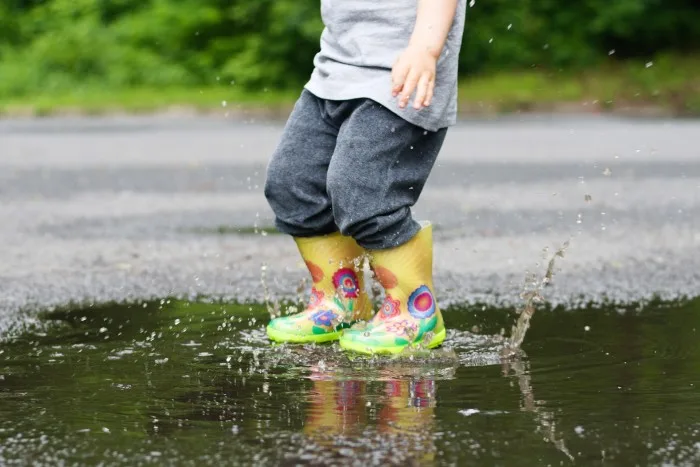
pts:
[48, 45]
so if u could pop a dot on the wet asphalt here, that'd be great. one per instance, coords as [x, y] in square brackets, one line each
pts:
[125, 208]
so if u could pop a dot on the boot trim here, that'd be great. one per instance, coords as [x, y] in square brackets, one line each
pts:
[363, 348]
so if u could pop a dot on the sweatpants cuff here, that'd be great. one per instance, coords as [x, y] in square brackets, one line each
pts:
[392, 237]
[296, 231]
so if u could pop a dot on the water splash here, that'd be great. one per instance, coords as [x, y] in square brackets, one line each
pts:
[301, 290]
[521, 370]
[532, 296]
[273, 307]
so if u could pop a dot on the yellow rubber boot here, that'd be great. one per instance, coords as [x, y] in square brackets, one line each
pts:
[409, 314]
[338, 297]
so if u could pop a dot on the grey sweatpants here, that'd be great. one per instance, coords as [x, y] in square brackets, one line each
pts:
[350, 166]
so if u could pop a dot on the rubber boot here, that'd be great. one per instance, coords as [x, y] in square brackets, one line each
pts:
[338, 297]
[409, 314]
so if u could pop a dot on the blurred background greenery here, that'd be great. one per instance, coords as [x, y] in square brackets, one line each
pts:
[138, 54]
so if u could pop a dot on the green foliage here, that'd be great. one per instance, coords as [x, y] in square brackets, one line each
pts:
[555, 34]
[58, 45]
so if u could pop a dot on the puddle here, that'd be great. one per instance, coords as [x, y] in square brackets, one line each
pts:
[172, 382]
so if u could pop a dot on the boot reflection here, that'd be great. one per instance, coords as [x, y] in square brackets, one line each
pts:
[342, 424]
[408, 415]
[335, 408]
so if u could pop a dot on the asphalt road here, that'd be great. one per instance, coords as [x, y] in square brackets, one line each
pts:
[127, 208]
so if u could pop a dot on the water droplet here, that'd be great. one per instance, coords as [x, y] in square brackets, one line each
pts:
[472, 3]
[224, 103]
[607, 172]
[611, 52]
[510, 26]
[649, 64]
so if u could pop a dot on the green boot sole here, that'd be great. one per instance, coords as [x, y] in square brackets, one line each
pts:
[362, 348]
[281, 337]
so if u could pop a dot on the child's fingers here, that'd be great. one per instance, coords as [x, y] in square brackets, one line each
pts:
[398, 77]
[422, 90]
[431, 90]
[408, 88]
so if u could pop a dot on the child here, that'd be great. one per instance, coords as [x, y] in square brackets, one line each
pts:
[353, 160]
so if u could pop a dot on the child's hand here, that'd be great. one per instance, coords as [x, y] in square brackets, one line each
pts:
[414, 70]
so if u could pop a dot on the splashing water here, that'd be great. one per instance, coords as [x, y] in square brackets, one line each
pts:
[532, 297]
[273, 308]
[520, 369]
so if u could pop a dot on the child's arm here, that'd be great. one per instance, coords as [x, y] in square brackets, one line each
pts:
[414, 70]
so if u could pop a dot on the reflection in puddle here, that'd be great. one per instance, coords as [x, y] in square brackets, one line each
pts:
[519, 369]
[392, 422]
[199, 384]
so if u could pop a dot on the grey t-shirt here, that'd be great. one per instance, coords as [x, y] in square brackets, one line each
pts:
[359, 45]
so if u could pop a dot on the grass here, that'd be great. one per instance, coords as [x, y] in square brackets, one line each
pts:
[669, 83]
[93, 101]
